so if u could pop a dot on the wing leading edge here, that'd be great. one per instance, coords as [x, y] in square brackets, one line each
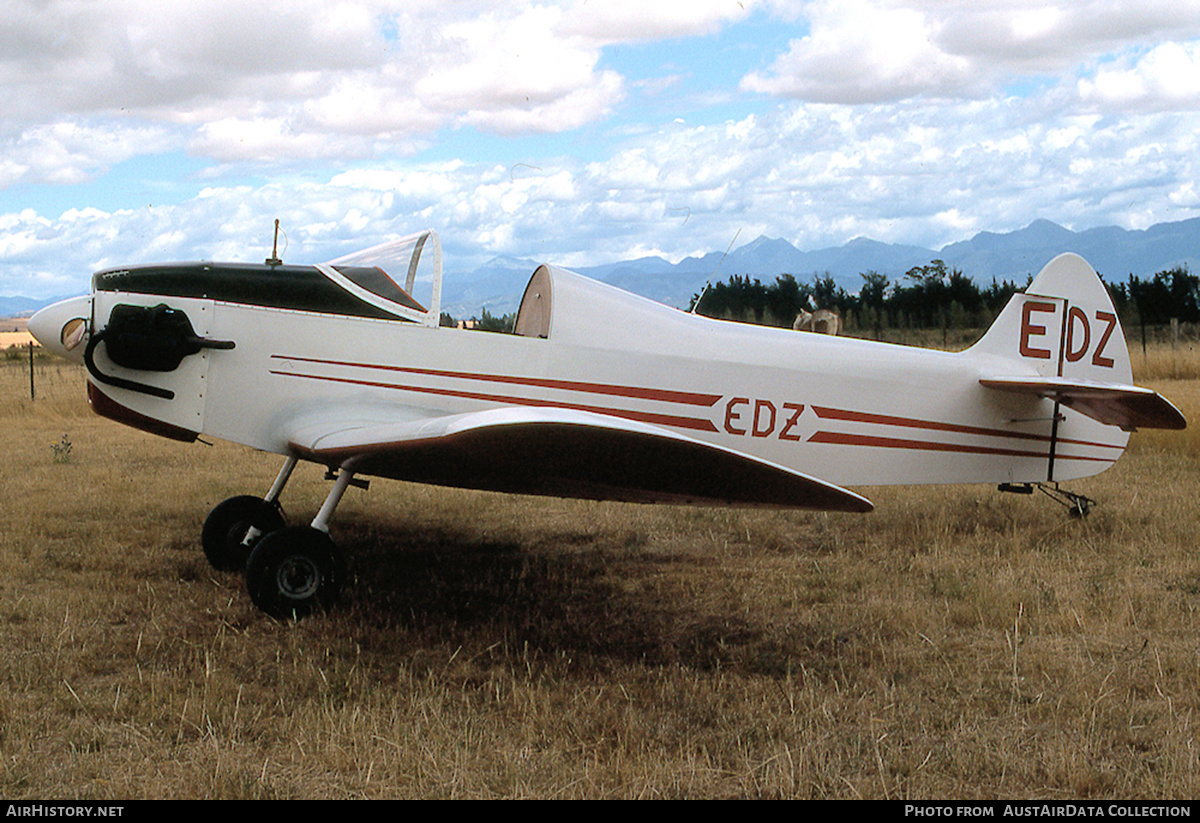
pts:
[1129, 407]
[565, 453]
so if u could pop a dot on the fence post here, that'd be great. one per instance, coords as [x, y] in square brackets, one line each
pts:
[32, 394]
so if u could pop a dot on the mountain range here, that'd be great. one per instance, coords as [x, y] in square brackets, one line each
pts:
[20, 306]
[1114, 252]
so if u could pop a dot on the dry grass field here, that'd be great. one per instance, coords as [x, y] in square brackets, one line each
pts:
[14, 331]
[956, 643]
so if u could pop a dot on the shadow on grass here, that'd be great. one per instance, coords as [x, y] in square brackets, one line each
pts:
[565, 595]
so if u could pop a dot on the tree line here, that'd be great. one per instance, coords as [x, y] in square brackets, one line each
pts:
[933, 296]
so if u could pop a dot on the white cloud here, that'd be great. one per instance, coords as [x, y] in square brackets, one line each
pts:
[366, 65]
[142, 55]
[1167, 77]
[298, 79]
[560, 113]
[860, 52]
[517, 74]
[67, 151]
[372, 104]
[623, 21]
[870, 51]
[262, 139]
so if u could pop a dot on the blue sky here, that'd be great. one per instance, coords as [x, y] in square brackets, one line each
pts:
[578, 132]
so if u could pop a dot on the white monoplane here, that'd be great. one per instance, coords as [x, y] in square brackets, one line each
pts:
[597, 394]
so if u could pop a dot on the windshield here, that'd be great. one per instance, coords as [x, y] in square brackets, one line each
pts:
[393, 274]
[377, 281]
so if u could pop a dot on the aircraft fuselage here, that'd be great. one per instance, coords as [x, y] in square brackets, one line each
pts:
[852, 412]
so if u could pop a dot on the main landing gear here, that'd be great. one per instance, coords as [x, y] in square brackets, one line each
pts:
[291, 571]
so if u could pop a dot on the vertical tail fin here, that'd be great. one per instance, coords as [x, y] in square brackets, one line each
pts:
[1062, 340]
[1064, 325]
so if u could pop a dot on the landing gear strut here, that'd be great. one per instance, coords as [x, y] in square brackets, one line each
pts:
[291, 571]
[235, 525]
[299, 570]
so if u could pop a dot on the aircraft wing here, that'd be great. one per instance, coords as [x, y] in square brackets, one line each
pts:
[560, 452]
[1129, 407]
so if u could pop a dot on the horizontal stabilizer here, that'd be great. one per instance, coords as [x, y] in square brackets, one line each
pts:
[564, 453]
[1129, 407]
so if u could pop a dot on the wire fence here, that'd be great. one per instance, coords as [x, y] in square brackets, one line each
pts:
[29, 374]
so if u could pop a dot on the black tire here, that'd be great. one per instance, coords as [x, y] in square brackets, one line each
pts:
[294, 572]
[226, 526]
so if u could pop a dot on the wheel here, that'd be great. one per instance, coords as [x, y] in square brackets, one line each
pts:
[294, 572]
[226, 526]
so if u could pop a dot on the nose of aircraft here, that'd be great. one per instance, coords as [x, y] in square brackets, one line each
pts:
[62, 328]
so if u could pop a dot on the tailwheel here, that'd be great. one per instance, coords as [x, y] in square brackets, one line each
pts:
[295, 571]
[232, 528]
[1076, 504]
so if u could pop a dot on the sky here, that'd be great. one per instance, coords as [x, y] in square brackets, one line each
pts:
[579, 132]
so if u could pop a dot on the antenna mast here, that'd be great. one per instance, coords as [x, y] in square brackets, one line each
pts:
[704, 291]
[274, 260]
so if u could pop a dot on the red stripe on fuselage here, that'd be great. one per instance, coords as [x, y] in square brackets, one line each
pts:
[697, 399]
[875, 441]
[638, 392]
[933, 425]
[676, 421]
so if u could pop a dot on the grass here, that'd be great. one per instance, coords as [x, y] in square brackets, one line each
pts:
[1165, 362]
[955, 643]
